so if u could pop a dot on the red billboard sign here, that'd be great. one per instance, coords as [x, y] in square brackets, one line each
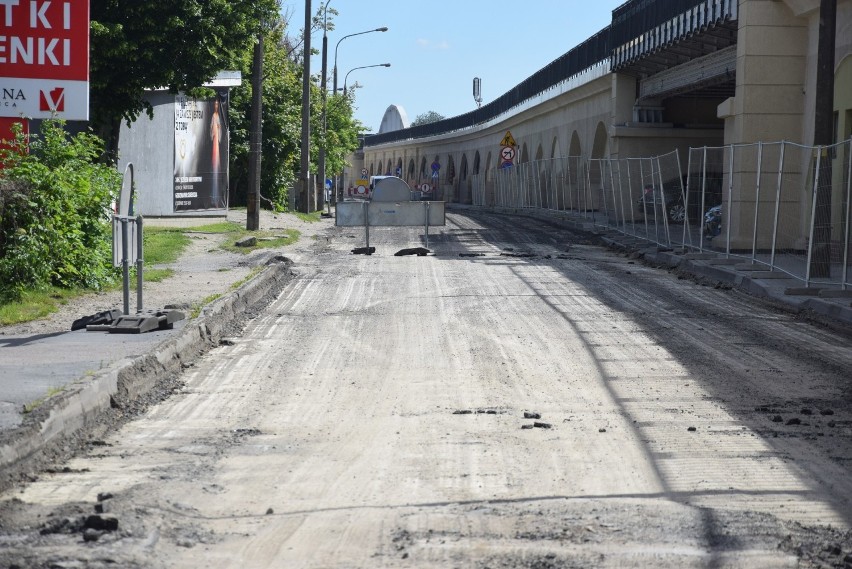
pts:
[44, 56]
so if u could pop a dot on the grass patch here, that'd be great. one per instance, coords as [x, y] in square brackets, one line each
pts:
[32, 406]
[36, 304]
[253, 273]
[311, 217]
[163, 245]
[198, 306]
[265, 240]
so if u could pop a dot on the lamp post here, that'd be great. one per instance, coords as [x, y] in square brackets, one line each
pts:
[321, 161]
[362, 67]
[382, 29]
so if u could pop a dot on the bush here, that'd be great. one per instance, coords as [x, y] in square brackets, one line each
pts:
[55, 213]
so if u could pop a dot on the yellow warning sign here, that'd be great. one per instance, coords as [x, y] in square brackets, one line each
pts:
[508, 140]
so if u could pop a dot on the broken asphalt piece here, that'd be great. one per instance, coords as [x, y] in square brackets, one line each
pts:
[806, 411]
[521, 255]
[601, 430]
[419, 251]
[777, 419]
[526, 426]
[363, 250]
[540, 425]
[104, 496]
[471, 254]
[794, 421]
[826, 412]
[691, 429]
[462, 412]
[102, 523]
[248, 241]
[531, 415]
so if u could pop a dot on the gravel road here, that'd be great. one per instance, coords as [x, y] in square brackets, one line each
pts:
[519, 398]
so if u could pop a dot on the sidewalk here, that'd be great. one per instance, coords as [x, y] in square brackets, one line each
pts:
[54, 381]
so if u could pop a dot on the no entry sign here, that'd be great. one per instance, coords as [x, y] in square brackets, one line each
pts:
[44, 55]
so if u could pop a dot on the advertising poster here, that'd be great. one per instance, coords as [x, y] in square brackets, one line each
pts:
[201, 153]
[44, 59]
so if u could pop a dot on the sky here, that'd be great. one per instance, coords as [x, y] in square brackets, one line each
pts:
[436, 48]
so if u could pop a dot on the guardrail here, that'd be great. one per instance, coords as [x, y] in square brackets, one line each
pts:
[780, 206]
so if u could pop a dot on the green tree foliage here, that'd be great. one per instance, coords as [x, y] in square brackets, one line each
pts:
[282, 108]
[426, 118]
[282, 124]
[54, 206]
[179, 44]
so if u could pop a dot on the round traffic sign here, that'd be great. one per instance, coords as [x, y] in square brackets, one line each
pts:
[435, 166]
[507, 153]
[425, 188]
[361, 190]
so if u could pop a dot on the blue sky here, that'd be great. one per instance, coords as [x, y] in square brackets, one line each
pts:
[436, 48]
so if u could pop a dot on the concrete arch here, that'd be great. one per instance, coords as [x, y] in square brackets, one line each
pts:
[576, 149]
[422, 172]
[388, 170]
[398, 167]
[476, 163]
[525, 155]
[410, 173]
[449, 179]
[554, 147]
[464, 182]
[601, 142]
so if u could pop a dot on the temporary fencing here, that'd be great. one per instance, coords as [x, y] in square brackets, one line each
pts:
[779, 206]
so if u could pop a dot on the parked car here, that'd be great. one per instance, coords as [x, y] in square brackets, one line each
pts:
[675, 209]
[651, 204]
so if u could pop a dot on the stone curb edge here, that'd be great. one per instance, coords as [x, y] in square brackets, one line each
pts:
[78, 406]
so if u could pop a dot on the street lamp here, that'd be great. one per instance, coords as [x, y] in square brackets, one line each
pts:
[321, 161]
[382, 29]
[362, 67]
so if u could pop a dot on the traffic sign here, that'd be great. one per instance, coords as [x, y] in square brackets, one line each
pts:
[507, 164]
[507, 154]
[398, 171]
[435, 166]
[508, 140]
[364, 172]
[435, 175]
[425, 188]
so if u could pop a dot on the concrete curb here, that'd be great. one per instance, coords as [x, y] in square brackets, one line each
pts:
[45, 432]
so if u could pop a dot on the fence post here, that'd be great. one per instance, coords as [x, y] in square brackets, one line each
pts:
[777, 206]
[845, 280]
[813, 215]
[756, 201]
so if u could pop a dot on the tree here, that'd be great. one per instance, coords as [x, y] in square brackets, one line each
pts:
[178, 44]
[427, 118]
[282, 103]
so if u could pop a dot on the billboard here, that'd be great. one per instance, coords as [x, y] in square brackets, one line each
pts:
[201, 153]
[44, 55]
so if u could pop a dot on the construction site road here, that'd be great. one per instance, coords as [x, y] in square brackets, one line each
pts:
[520, 397]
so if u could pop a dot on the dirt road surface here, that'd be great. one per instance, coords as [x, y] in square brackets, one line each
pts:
[519, 398]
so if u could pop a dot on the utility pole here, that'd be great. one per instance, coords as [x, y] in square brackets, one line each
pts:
[304, 174]
[823, 136]
[256, 137]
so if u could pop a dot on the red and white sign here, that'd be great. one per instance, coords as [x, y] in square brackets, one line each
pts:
[44, 57]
